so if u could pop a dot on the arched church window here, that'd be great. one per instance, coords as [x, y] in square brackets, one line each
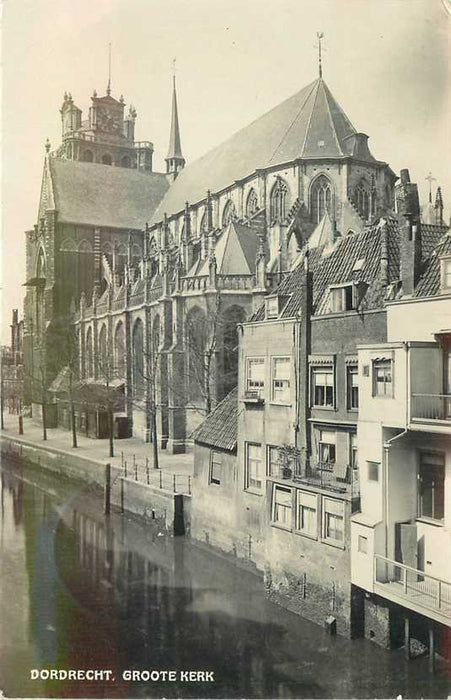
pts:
[89, 354]
[204, 223]
[106, 159]
[138, 359]
[362, 200]
[126, 162]
[40, 264]
[103, 352]
[251, 203]
[68, 246]
[279, 201]
[321, 198]
[196, 341]
[84, 246]
[119, 350]
[228, 212]
[87, 156]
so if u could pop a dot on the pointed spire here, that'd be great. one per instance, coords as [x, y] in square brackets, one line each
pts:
[174, 160]
[439, 207]
[108, 90]
[320, 36]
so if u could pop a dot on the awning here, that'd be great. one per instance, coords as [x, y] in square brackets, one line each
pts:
[321, 359]
[351, 360]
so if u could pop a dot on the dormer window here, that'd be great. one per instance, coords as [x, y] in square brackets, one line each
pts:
[272, 307]
[445, 274]
[342, 298]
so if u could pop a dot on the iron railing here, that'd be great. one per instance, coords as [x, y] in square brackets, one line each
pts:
[326, 475]
[412, 584]
[431, 407]
[144, 473]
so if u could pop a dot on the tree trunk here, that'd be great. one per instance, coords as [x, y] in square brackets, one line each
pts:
[44, 424]
[111, 431]
[155, 440]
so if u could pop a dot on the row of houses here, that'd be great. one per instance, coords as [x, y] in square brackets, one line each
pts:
[329, 466]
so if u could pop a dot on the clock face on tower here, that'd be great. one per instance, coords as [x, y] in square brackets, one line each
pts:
[108, 120]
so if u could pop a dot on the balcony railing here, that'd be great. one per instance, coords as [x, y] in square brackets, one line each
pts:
[328, 475]
[418, 589]
[431, 407]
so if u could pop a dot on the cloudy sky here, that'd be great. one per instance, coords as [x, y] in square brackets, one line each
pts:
[386, 61]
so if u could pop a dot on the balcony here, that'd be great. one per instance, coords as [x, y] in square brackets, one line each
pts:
[431, 409]
[329, 476]
[413, 589]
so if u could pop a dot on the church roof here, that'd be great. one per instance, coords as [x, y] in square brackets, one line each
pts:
[310, 124]
[101, 195]
[235, 251]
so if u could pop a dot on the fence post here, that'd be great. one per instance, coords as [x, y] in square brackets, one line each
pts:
[122, 495]
[189, 484]
[135, 468]
[20, 425]
[122, 459]
[107, 500]
[147, 470]
[161, 479]
[125, 469]
[174, 483]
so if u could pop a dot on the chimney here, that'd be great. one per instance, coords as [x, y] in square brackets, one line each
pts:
[408, 210]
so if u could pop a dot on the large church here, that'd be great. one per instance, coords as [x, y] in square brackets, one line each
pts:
[138, 280]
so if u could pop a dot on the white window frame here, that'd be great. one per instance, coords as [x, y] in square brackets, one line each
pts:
[213, 461]
[307, 502]
[249, 486]
[315, 370]
[333, 509]
[257, 388]
[353, 450]
[270, 311]
[284, 518]
[338, 293]
[269, 462]
[322, 442]
[378, 365]
[445, 273]
[286, 401]
[351, 371]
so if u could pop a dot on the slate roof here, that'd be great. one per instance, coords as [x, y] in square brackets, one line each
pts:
[235, 251]
[337, 267]
[310, 124]
[220, 428]
[429, 284]
[101, 195]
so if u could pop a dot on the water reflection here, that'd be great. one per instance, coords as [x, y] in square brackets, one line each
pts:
[111, 593]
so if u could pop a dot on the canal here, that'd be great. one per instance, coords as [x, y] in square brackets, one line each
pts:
[81, 591]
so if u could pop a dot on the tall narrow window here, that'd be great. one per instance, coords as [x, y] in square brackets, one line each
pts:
[322, 390]
[362, 200]
[229, 213]
[279, 201]
[352, 381]
[431, 477]
[382, 378]
[333, 521]
[251, 203]
[215, 467]
[327, 441]
[321, 199]
[353, 455]
[254, 467]
[307, 513]
[274, 461]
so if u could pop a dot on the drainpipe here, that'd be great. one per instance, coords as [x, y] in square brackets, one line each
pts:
[386, 446]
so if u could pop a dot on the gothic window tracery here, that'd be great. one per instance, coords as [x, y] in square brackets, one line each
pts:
[251, 203]
[89, 354]
[68, 246]
[279, 201]
[119, 350]
[321, 198]
[138, 358]
[204, 223]
[362, 200]
[228, 213]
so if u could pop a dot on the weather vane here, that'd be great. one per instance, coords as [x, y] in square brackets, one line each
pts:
[430, 179]
[320, 36]
[173, 70]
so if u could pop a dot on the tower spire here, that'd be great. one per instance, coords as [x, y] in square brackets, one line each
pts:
[174, 160]
[108, 90]
[430, 179]
[320, 36]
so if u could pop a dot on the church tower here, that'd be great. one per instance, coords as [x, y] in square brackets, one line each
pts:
[174, 160]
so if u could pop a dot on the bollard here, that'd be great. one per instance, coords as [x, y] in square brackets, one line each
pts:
[107, 501]
[20, 425]
[125, 469]
[161, 479]
[147, 470]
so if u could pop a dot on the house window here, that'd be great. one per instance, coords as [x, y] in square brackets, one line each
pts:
[327, 441]
[280, 380]
[272, 307]
[382, 378]
[255, 380]
[352, 387]
[373, 471]
[446, 274]
[281, 509]
[323, 386]
[362, 545]
[342, 298]
[353, 460]
[254, 467]
[215, 467]
[274, 462]
[431, 478]
[333, 520]
[307, 513]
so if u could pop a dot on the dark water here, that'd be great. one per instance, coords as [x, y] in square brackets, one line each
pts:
[81, 591]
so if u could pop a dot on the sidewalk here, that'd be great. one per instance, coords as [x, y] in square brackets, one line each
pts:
[131, 450]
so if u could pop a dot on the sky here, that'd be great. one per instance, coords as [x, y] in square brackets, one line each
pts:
[387, 62]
